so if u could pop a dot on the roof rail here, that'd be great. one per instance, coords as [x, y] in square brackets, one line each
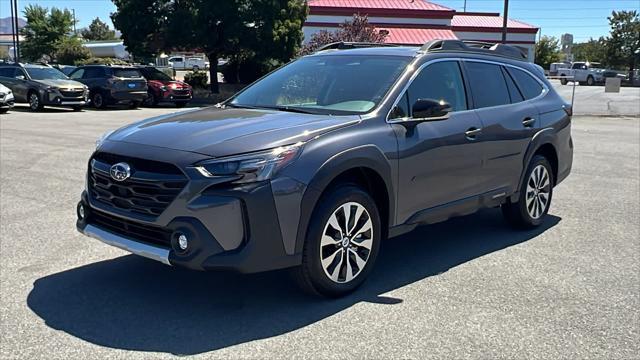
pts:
[343, 45]
[474, 46]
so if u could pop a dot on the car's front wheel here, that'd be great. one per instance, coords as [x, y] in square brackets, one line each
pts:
[98, 101]
[34, 101]
[343, 241]
[535, 196]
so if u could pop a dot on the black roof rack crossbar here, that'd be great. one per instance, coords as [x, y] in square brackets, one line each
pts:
[343, 45]
[474, 46]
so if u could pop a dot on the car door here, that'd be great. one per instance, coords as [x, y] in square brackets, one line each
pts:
[21, 84]
[8, 79]
[508, 123]
[93, 77]
[438, 160]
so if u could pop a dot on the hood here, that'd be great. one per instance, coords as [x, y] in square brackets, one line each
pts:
[220, 132]
[61, 83]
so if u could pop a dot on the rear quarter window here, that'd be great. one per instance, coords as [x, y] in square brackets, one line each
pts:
[529, 87]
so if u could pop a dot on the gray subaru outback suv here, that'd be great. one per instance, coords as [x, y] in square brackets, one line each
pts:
[314, 165]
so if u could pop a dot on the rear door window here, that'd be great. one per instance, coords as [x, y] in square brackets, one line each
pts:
[440, 81]
[7, 72]
[488, 85]
[93, 73]
[529, 86]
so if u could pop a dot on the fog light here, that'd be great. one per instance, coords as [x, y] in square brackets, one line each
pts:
[81, 212]
[183, 242]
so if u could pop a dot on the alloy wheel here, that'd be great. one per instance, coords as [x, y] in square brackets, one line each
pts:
[346, 242]
[538, 189]
[34, 102]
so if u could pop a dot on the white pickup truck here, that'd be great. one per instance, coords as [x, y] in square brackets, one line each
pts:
[188, 63]
[585, 73]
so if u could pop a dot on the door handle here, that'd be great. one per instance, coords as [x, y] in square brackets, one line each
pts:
[528, 122]
[471, 133]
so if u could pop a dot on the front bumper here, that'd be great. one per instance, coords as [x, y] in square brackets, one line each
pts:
[228, 227]
[176, 95]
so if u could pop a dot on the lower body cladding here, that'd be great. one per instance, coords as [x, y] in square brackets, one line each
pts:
[232, 229]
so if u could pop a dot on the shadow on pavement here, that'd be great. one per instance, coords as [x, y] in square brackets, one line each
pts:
[135, 304]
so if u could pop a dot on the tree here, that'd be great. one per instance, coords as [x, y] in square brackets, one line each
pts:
[547, 51]
[44, 32]
[4, 53]
[269, 30]
[71, 52]
[356, 29]
[592, 50]
[623, 44]
[98, 30]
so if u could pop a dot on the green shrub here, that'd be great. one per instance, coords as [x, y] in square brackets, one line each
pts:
[71, 52]
[102, 61]
[198, 79]
[247, 70]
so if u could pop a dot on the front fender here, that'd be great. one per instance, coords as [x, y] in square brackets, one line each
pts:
[366, 156]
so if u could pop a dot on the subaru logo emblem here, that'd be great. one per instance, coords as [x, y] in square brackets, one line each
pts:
[120, 171]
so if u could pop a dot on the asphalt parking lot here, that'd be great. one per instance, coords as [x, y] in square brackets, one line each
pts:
[467, 288]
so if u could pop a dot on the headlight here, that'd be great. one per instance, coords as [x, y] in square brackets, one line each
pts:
[102, 138]
[163, 88]
[52, 89]
[251, 167]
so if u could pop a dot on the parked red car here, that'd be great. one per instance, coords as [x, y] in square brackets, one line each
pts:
[163, 88]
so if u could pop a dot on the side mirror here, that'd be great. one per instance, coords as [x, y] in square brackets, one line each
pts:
[430, 109]
[20, 77]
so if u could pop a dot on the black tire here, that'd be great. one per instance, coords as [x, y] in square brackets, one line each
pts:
[311, 276]
[35, 103]
[151, 100]
[563, 81]
[98, 101]
[181, 104]
[590, 80]
[522, 214]
[134, 105]
[195, 68]
[4, 110]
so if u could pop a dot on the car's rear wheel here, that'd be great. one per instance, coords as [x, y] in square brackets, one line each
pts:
[535, 196]
[563, 81]
[151, 99]
[343, 241]
[34, 101]
[590, 80]
[98, 101]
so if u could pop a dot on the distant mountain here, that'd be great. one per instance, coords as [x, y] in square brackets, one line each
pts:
[5, 24]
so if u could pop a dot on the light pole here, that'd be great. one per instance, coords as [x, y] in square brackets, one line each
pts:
[16, 45]
[505, 18]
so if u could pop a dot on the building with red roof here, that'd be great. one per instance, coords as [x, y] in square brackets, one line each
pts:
[414, 22]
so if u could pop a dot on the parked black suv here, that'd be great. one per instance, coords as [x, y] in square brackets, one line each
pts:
[313, 166]
[112, 84]
[41, 85]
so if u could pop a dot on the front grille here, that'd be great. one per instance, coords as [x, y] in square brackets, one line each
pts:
[146, 233]
[72, 94]
[181, 92]
[150, 189]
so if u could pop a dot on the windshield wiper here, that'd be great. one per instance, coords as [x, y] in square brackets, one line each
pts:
[270, 107]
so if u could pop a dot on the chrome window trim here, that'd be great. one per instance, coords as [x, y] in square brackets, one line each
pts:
[545, 88]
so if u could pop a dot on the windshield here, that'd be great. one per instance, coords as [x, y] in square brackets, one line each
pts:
[339, 84]
[45, 73]
[126, 73]
[155, 74]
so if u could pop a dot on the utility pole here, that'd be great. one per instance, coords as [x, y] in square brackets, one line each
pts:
[13, 30]
[464, 8]
[505, 15]
[16, 46]
[75, 32]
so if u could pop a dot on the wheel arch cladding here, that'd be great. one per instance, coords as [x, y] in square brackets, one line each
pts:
[551, 154]
[365, 166]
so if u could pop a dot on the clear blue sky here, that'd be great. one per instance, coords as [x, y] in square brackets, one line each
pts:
[582, 18]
